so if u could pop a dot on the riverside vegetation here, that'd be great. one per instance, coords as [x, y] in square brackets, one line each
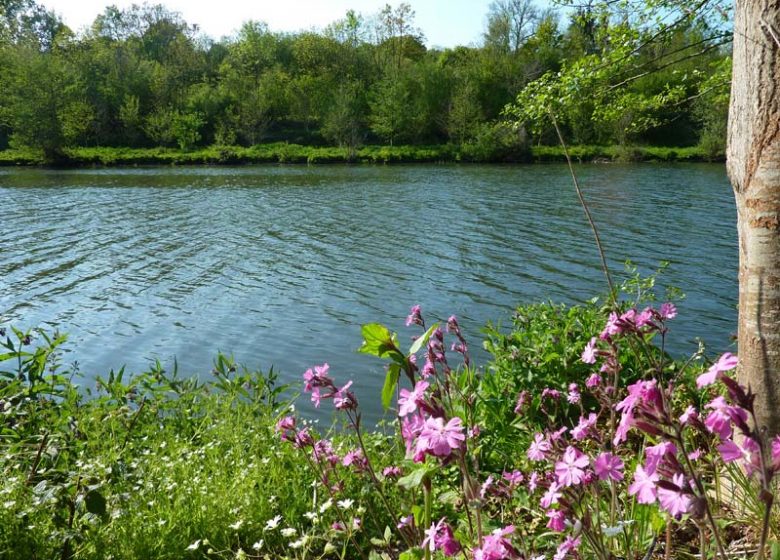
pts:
[581, 438]
[144, 78]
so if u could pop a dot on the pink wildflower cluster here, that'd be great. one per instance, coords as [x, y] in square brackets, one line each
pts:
[424, 426]
[496, 546]
[321, 386]
[440, 537]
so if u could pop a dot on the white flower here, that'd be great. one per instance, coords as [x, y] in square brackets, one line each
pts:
[273, 523]
[288, 532]
[237, 525]
[346, 504]
[194, 546]
[258, 545]
[326, 506]
[311, 516]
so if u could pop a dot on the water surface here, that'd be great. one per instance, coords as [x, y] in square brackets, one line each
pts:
[280, 265]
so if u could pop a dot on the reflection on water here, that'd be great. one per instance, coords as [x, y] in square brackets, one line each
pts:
[280, 265]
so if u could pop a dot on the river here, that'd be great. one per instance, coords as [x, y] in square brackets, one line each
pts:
[280, 265]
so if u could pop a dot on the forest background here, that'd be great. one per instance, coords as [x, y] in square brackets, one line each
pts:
[142, 77]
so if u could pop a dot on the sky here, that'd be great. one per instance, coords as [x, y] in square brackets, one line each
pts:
[445, 23]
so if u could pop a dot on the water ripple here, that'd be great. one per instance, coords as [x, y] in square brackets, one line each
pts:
[280, 265]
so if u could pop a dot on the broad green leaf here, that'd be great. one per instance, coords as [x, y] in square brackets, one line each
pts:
[377, 341]
[414, 478]
[423, 340]
[391, 381]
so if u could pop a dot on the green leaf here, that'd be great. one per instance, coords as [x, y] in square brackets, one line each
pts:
[391, 381]
[95, 503]
[449, 497]
[377, 341]
[411, 554]
[423, 340]
[414, 478]
[775, 550]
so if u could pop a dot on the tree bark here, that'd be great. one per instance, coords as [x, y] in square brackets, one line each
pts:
[754, 170]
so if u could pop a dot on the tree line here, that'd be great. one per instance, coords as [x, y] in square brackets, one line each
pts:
[143, 76]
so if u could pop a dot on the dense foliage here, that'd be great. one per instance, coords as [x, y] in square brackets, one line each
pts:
[144, 77]
[580, 439]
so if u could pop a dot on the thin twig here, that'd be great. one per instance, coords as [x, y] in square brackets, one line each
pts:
[604, 266]
[771, 30]
[37, 460]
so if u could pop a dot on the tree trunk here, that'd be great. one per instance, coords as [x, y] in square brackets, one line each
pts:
[754, 170]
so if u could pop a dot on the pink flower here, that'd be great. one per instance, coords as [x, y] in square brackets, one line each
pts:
[569, 544]
[607, 466]
[391, 472]
[539, 448]
[415, 316]
[533, 481]
[593, 381]
[689, 415]
[440, 439]
[612, 327]
[644, 486]
[523, 399]
[581, 430]
[726, 362]
[355, 459]
[644, 318]
[558, 434]
[286, 423]
[557, 520]
[573, 396]
[746, 452]
[569, 469]
[486, 486]
[411, 426]
[496, 546]
[551, 496]
[317, 377]
[667, 311]
[513, 478]
[720, 420]
[323, 449]
[344, 399]
[654, 454]
[589, 353]
[776, 451]
[674, 500]
[410, 400]
[695, 455]
[643, 393]
[440, 536]
[303, 439]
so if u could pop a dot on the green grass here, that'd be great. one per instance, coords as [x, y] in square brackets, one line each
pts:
[146, 467]
[624, 154]
[296, 154]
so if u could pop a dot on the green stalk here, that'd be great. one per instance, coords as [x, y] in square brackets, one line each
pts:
[427, 491]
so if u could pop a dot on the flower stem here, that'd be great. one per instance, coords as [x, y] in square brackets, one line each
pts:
[428, 494]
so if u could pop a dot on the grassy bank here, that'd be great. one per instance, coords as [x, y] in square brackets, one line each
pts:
[163, 467]
[297, 154]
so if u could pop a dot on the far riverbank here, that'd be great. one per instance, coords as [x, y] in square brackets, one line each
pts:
[298, 154]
